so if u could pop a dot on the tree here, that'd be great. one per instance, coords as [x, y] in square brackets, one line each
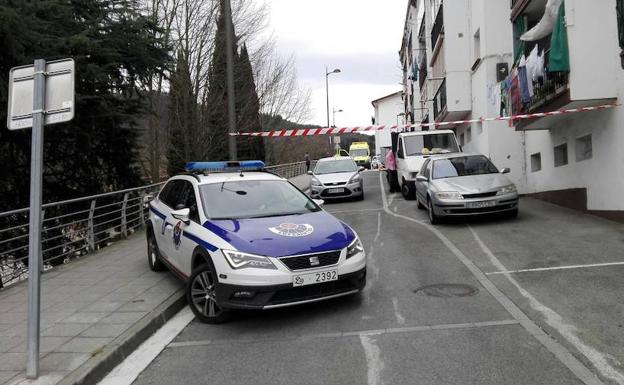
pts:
[115, 54]
[247, 109]
[183, 119]
[216, 105]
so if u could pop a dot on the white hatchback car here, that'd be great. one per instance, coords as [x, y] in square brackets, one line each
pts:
[336, 177]
[248, 239]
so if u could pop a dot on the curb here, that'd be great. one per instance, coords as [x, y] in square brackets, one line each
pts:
[102, 362]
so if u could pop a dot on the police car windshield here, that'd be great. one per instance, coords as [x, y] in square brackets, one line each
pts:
[335, 166]
[241, 199]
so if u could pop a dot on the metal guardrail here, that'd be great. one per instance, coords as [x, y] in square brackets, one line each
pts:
[75, 227]
[70, 229]
[290, 170]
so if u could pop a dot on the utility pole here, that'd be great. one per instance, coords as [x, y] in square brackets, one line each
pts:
[229, 57]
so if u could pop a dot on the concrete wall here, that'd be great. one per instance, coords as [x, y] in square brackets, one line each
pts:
[594, 48]
[595, 74]
[457, 54]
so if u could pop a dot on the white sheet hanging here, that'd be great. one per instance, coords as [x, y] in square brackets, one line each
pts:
[546, 24]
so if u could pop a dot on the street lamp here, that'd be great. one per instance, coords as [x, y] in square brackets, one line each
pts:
[335, 71]
[334, 116]
[399, 114]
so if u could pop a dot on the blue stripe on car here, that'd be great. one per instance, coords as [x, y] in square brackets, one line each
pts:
[158, 213]
[199, 241]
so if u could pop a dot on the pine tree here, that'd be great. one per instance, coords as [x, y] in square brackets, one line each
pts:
[115, 53]
[183, 121]
[248, 109]
[215, 105]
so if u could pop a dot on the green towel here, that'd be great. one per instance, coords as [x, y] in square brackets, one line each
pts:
[559, 54]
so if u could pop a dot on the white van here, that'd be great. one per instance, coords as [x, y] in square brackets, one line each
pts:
[412, 150]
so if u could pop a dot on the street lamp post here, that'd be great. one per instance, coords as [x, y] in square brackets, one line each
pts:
[400, 114]
[334, 116]
[335, 71]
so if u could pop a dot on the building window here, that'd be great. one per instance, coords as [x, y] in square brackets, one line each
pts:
[561, 155]
[583, 148]
[536, 162]
[468, 135]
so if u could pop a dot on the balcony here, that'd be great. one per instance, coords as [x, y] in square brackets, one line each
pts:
[573, 89]
[438, 28]
[439, 102]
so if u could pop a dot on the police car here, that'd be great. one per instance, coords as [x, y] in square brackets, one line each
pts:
[243, 238]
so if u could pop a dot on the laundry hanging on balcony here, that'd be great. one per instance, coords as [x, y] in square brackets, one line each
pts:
[546, 25]
[559, 57]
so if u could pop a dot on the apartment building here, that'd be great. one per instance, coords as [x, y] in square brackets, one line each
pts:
[389, 110]
[466, 50]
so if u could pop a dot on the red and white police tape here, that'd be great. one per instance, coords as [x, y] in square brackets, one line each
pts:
[349, 130]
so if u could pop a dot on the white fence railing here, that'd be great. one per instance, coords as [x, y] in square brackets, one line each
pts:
[75, 227]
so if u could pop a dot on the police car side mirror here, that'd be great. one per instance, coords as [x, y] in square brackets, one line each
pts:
[361, 169]
[319, 202]
[309, 172]
[181, 215]
[421, 178]
[506, 170]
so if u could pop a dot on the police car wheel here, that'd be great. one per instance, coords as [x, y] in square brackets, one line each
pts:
[202, 298]
[153, 256]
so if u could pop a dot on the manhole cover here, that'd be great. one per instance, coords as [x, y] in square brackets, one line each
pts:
[447, 290]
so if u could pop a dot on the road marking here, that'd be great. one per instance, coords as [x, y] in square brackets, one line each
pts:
[554, 320]
[128, 371]
[373, 360]
[400, 319]
[558, 350]
[378, 227]
[349, 334]
[555, 267]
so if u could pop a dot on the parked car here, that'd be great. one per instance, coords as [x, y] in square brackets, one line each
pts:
[463, 185]
[412, 150]
[336, 177]
[242, 238]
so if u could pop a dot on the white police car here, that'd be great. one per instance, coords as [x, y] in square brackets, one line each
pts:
[246, 239]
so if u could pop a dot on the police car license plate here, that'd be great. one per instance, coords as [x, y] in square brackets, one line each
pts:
[478, 205]
[312, 278]
[335, 190]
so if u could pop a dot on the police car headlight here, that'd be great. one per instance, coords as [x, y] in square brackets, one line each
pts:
[354, 248]
[238, 260]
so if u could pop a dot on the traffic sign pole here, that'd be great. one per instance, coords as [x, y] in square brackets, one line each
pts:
[34, 236]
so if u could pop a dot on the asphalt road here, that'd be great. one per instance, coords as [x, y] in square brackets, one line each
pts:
[436, 308]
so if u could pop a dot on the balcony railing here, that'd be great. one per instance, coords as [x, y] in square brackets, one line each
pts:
[554, 86]
[438, 28]
[439, 101]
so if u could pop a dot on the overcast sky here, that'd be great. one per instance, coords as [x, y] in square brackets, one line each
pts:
[361, 37]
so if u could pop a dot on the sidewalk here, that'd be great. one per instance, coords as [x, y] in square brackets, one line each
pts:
[302, 182]
[95, 311]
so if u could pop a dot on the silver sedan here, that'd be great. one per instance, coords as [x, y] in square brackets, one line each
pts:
[462, 185]
[336, 177]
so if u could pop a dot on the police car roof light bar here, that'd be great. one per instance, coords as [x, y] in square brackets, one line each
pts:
[245, 165]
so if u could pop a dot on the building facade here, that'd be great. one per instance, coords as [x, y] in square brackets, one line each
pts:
[389, 110]
[469, 56]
